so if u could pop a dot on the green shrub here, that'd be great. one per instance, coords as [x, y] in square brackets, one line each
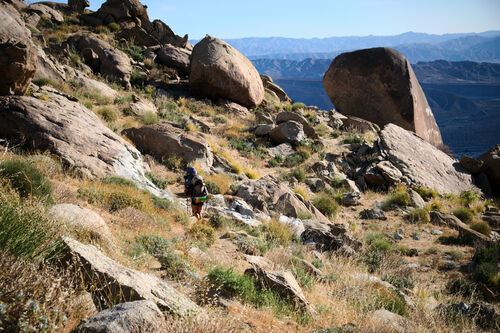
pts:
[108, 113]
[335, 134]
[468, 197]
[304, 215]
[47, 164]
[398, 197]
[418, 216]
[25, 231]
[125, 99]
[399, 282]
[212, 187]
[303, 278]
[425, 193]
[390, 300]
[174, 266]
[277, 233]
[462, 287]
[481, 227]
[326, 205]
[113, 26]
[296, 158]
[149, 118]
[161, 203]
[26, 179]
[455, 254]
[118, 181]
[45, 82]
[120, 200]
[232, 284]
[486, 269]
[464, 214]
[275, 161]
[135, 52]
[157, 181]
[203, 233]
[219, 221]
[155, 245]
[298, 174]
[352, 139]
[298, 106]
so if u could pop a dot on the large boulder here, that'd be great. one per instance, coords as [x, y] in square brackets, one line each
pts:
[17, 53]
[103, 58]
[328, 236]
[421, 163]
[142, 106]
[491, 167]
[174, 57]
[47, 12]
[78, 6]
[164, 141]
[379, 85]
[106, 278]
[269, 194]
[122, 10]
[52, 122]
[48, 68]
[138, 316]
[81, 80]
[288, 132]
[219, 71]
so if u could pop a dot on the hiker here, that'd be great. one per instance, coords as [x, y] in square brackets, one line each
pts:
[196, 190]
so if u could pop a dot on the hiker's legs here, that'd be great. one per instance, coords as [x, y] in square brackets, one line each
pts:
[197, 211]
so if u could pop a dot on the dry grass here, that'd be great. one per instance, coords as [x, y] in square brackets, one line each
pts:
[223, 181]
[237, 167]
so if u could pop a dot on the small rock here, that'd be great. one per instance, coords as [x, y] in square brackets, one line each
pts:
[448, 265]
[398, 236]
[373, 214]
[351, 199]
[284, 150]
[413, 265]
[436, 232]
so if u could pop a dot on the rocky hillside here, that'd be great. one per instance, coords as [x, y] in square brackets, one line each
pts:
[316, 221]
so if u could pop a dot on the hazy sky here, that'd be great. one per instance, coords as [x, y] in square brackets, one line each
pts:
[321, 18]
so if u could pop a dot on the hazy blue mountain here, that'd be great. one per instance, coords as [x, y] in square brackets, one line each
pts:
[270, 47]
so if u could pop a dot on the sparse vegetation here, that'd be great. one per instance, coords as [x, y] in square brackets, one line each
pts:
[26, 179]
[326, 205]
[203, 234]
[418, 216]
[426, 193]
[398, 197]
[464, 214]
[108, 113]
[482, 227]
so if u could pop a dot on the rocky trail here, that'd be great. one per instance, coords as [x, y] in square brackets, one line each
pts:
[348, 220]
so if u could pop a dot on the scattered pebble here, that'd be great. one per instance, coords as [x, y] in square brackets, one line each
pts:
[398, 236]
[437, 232]
[413, 265]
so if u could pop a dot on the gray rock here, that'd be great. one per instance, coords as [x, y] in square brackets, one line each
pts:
[48, 68]
[164, 141]
[448, 265]
[174, 57]
[69, 130]
[81, 217]
[268, 83]
[42, 10]
[351, 199]
[237, 109]
[471, 164]
[391, 174]
[288, 132]
[263, 130]
[19, 56]
[295, 224]
[284, 150]
[141, 106]
[436, 232]
[491, 167]
[421, 163]
[315, 184]
[219, 71]
[264, 118]
[373, 214]
[390, 321]
[328, 237]
[121, 283]
[284, 117]
[90, 85]
[138, 316]
[103, 58]
[78, 6]
[415, 199]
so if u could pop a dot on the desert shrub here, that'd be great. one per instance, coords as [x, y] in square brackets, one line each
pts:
[157, 181]
[398, 197]
[390, 300]
[26, 179]
[213, 188]
[304, 215]
[25, 231]
[464, 214]
[43, 81]
[135, 52]
[352, 139]
[219, 221]
[426, 193]
[455, 254]
[175, 267]
[298, 106]
[161, 203]
[296, 158]
[172, 162]
[481, 227]
[298, 174]
[275, 161]
[149, 118]
[47, 164]
[468, 197]
[113, 26]
[461, 286]
[399, 282]
[432, 250]
[221, 120]
[120, 200]
[300, 190]
[125, 99]
[277, 233]
[304, 279]
[155, 245]
[252, 173]
[118, 181]
[418, 216]
[326, 205]
[203, 233]
[486, 269]
[108, 113]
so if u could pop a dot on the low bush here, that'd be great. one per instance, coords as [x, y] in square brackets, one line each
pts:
[418, 216]
[149, 118]
[114, 27]
[326, 205]
[298, 174]
[213, 188]
[118, 181]
[300, 190]
[468, 197]
[275, 161]
[252, 173]
[135, 52]
[175, 267]
[426, 193]
[203, 233]
[296, 158]
[399, 282]
[155, 245]
[26, 179]
[461, 287]
[481, 227]
[25, 231]
[486, 269]
[353, 139]
[120, 200]
[218, 221]
[108, 113]
[277, 233]
[298, 106]
[45, 82]
[398, 197]
[464, 214]
[157, 181]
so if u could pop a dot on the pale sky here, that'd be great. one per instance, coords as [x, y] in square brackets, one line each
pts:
[321, 18]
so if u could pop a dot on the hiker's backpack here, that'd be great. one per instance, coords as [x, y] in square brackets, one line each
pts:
[199, 188]
[188, 180]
